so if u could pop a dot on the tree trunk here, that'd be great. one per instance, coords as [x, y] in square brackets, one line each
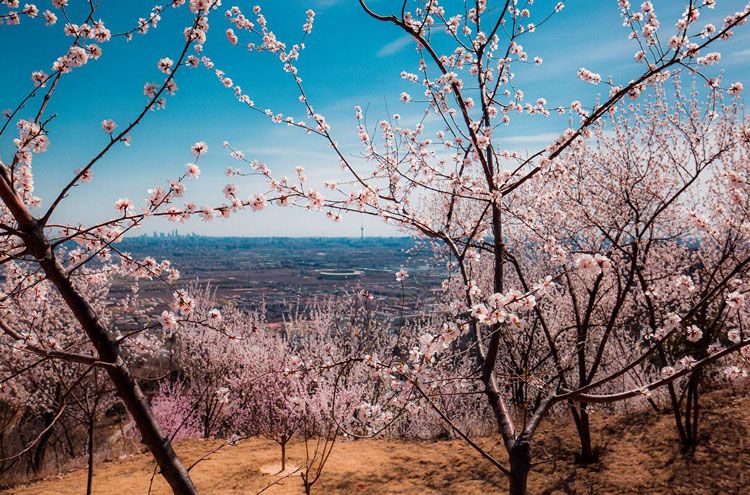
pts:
[90, 477]
[690, 440]
[520, 465]
[171, 468]
[283, 456]
[127, 388]
[696, 394]
[206, 426]
[37, 461]
[584, 434]
[673, 399]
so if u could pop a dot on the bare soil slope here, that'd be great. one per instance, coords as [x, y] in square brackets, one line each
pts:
[639, 456]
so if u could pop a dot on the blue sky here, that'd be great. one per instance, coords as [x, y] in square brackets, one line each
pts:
[350, 60]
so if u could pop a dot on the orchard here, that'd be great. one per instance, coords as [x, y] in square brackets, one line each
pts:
[604, 272]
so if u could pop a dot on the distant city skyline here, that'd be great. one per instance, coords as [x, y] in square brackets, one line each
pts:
[176, 234]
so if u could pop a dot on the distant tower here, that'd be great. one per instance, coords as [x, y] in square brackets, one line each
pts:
[362, 231]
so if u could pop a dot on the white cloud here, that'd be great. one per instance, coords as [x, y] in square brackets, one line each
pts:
[394, 46]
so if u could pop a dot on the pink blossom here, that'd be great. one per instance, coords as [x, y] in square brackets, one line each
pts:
[735, 89]
[38, 78]
[693, 333]
[50, 17]
[735, 299]
[309, 23]
[184, 302]
[588, 76]
[667, 371]
[733, 373]
[588, 265]
[215, 315]
[30, 10]
[258, 202]
[207, 214]
[193, 171]
[76, 56]
[202, 6]
[199, 149]
[168, 320]
[687, 362]
[231, 36]
[230, 190]
[709, 59]
[603, 262]
[108, 125]
[123, 205]
[165, 65]
[479, 312]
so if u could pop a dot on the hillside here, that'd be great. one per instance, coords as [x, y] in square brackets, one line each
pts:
[638, 457]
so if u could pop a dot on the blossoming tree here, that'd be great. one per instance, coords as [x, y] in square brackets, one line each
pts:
[628, 205]
[455, 183]
[43, 248]
[460, 188]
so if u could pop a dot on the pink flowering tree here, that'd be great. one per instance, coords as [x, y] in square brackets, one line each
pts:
[175, 411]
[453, 182]
[330, 398]
[450, 181]
[326, 342]
[624, 206]
[92, 399]
[57, 256]
[266, 400]
[211, 354]
[697, 284]
[44, 371]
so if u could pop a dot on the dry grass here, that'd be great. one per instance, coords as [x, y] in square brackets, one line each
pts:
[639, 456]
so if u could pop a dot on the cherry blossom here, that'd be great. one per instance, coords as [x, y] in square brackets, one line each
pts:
[109, 126]
[124, 205]
[165, 65]
[694, 333]
[193, 171]
[199, 149]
